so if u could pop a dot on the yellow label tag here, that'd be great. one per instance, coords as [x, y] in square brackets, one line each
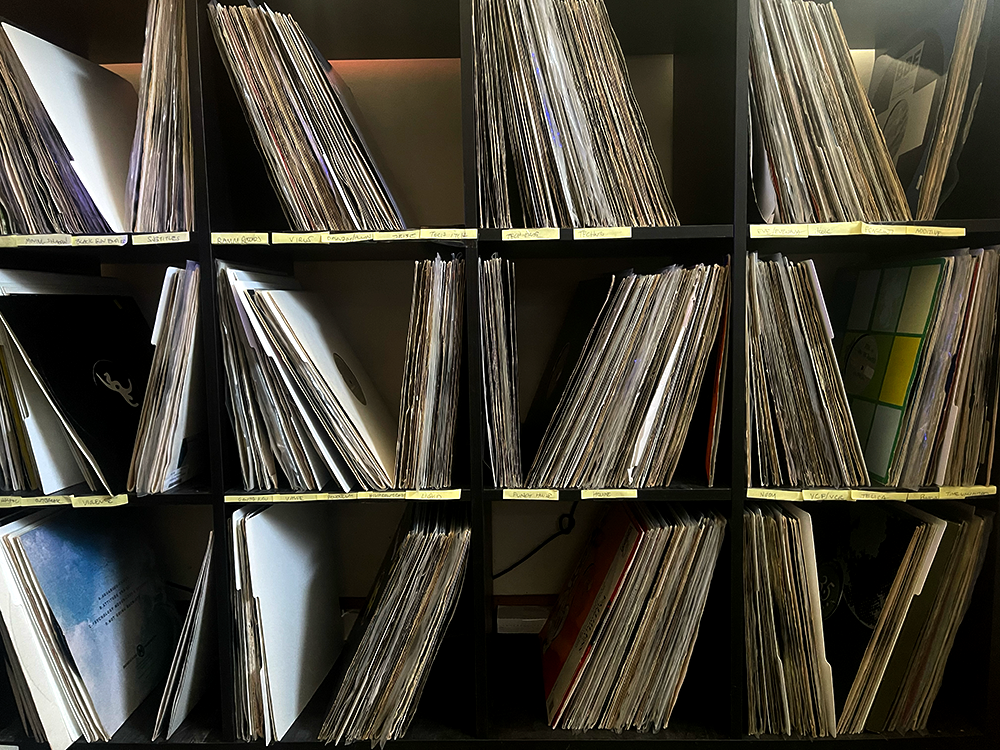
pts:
[954, 493]
[541, 233]
[601, 233]
[882, 229]
[877, 495]
[341, 496]
[835, 228]
[928, 495]
[402, 234]
[449, 233]
[922, 231]
[826, 494]
[298, 238]
[433, 494]
[387, 495]
[8, 240]
[336, 237]
[530, 494]
[609, 494]
[29, 240]
[767, 493]
[30, 501]
[94, 240]
[767, 231]
[239, 238]
[161, 238]
[99, 501]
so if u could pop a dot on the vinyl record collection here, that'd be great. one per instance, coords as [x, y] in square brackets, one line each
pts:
[292, 97]
[625, 409]
[618, 643]
[800, 431]
[400, 631]
[873, 642]
[826, 157]
[553, 95]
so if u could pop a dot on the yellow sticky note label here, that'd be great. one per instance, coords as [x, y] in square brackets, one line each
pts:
[878, 495]
[402, 234]
[882, 229]
[387, 495]
[835, 228]
[161, 238]
[921, 231]
[337, 237]
[30, 240]
[768, 231]
[99, 501]
[341, 496]
[609, 494]
[433, 494]
[530, 494]
[8, 240]
[100, 240]
[826, 494]
[449, 233]
[540, 233]
[928, 495]
[30, 501]
[767, 493]
[239, 238]
[954, 493]
[601, 233]
[298, 238]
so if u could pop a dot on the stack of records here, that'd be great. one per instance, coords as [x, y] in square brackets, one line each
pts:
[160, 176]
[395, 641]
[322, 170]
[875, 640]
[67, 126]
[170, 445]
[920, 362]
[498, 336]
[617, 646]
[826, 157]
[288, 629]
[298, 396]
[552, 90]
[625, 408]
[924, 91]
[798, 420]
[429, 399]
[86, 623]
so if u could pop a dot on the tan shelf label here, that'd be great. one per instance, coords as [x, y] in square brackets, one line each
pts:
[936, 231]
[923, 495]
[240, 238]
[835, 229]
[35, 240]
[878, 495]
[100, 240]
[31, 501]
[602, 233]
[449, 233]
[826, 494]
[278, 497]
[769, 493]
[99, 501]
[298, 238]
[609, 494]
[883, 229]
[769, 231]
[338, 237]
[340, 496]
[541, 233]
[161, 238]
[530, 494]
[433, 494]
[387, 495]
[401, 234]
[8, 240]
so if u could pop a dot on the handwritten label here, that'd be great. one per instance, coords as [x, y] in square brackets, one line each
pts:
[298, 238]
[767, 493]
[387, 495]
[602, 233]
[402, 234]
[8, 240]
[928, 495]
[835, 229]
[99, 501]
[878, 495]
[95, 240]
[530, 494]
[337, 237]
[921, 231]
[449, 233]
[30, 501]
[610, 494]
[826, 494]
[161, 238]
[433, 494]
[953, 493]
[341, 496]
[239, 238]
[770, 231]
[882, 229]
[280, 497]
[542, 233]
[31, 240]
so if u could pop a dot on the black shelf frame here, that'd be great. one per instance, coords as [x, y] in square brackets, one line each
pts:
[712, 191]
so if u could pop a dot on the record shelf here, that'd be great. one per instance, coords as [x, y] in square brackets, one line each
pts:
[485, 688]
